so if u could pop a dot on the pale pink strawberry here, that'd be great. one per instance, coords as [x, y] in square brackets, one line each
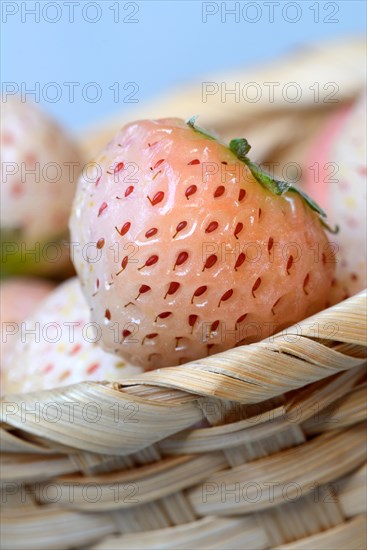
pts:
[188, 253]
[339, 185]
[19, 297]
[63, 348]
[39, 169]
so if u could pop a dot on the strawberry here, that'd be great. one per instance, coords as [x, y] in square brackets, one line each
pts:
[339, 184]
[40, 166]
[19, 297]
[193, 249]
[62, 349]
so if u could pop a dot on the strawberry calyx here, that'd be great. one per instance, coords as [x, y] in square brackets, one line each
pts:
[241, 147]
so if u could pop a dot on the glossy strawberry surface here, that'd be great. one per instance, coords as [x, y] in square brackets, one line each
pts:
[182, 253]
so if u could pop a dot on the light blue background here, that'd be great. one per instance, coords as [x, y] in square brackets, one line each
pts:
[169, 45]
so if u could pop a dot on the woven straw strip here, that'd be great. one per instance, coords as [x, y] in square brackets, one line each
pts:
[352, 492]
[308, 464]
[119, 415]
[10, 443]
[217, 533]
[348, 535]
[345, 412]
[206, 533]
[69, 529]
[133, 473]
[138, 491]
[27, 468]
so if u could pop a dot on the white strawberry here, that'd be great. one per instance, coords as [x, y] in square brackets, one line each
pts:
[192, 247]
[39, 165]
[339, 186]
[19, 298]
[64, 349]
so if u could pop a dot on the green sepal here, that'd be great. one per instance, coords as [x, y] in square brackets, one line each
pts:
[334, 230]
[240, 147]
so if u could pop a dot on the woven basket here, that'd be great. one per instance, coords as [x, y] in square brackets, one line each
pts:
[259, 447]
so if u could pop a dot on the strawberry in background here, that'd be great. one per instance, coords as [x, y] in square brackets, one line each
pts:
[39, 168]
[19, 298]
[64, 348]
[340, 188]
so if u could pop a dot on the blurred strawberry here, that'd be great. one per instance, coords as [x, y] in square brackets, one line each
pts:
[19, 297]
[336, 177]
[39, 168]
[196, 249]
[62, 349]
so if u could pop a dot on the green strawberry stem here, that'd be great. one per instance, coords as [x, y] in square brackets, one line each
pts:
[240, 147]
